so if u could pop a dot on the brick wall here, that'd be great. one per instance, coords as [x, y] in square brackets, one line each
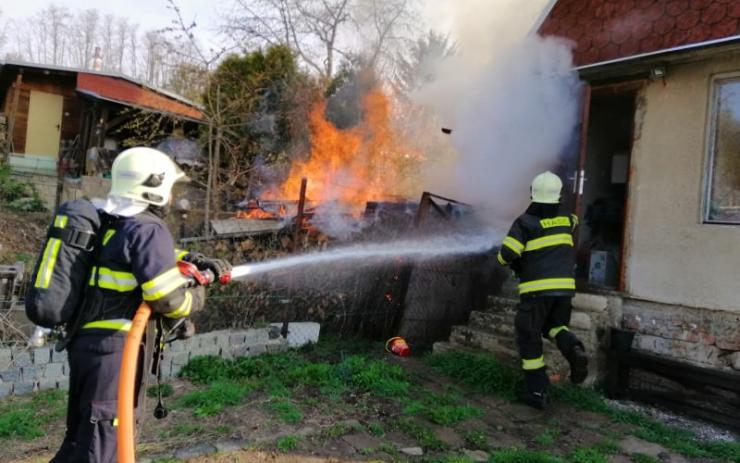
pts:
[25, 370]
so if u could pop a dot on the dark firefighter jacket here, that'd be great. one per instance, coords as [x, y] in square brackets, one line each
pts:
[136, 263]
[539, 247]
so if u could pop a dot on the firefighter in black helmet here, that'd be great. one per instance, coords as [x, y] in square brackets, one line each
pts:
[135, 261]
[539, 248]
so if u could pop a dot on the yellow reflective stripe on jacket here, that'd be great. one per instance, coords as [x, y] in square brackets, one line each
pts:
[60, 221]
[108, 235]
[163, 284]
[120, 324]
[547, 284]
[533, 364]
[113, 279]
[184, 309]
[575, 220]
[514, 245]
[43, 278]
[551, 240]
[555, 222]
[554, 331]
[500, 259]
[179, 254]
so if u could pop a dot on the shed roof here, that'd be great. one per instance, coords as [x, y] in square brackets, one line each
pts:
[606, 30]
[128, 93]
[121, 89]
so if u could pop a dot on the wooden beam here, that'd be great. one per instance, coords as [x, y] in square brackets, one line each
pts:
[14, 109]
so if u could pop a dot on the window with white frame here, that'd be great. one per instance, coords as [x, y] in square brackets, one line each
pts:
[723, 180]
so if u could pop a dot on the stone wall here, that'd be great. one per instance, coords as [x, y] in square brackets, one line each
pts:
[25, 370]
[703, 337]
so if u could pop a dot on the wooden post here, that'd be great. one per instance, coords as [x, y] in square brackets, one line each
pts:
[296, 237]
[13, 111]
[299, 215]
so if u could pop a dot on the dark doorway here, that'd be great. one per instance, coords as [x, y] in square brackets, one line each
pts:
[604, 191]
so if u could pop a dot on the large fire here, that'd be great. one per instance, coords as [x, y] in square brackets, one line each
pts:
[368, 162]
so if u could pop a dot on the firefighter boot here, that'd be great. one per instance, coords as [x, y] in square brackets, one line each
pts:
[578, 364]
[534, 392]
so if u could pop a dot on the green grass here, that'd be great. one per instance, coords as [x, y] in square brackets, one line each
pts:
[376, 429]
[676, 439]
[423, 434]
[215, 398]
[642, 458]
[475, 439]
[587, 455]
[27, 418]
[388, 448]
[548, 437]
[287, 412]
[182, 430]
[166, 389]
[522, 456]
[484, 373]
[335, 430]
[479, 371]
[287, 443]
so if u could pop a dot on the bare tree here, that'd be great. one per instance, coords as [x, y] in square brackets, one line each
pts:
[3, 31]
[122, 27]
[385, 28]
[312, 28]
[85, 30]
[133, 42]
[107, 40]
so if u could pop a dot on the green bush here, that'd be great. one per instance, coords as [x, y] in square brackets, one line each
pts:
[18, 195]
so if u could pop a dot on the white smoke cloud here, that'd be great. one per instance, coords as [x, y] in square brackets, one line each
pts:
[511, 99]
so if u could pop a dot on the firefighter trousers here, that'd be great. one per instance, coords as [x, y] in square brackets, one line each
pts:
[536, 318]
[95, 363]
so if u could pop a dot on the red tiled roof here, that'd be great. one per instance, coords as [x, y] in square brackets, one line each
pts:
[126, 92]
[604, 30]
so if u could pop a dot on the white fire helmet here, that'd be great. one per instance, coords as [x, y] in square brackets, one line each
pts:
[546, 188]
[144, 174]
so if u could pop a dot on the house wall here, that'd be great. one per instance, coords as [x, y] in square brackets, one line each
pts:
[672, 257]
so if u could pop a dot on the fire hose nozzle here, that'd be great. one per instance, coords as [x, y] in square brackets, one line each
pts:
[200, 278]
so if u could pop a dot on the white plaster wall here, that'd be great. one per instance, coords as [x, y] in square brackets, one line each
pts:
[672, 256]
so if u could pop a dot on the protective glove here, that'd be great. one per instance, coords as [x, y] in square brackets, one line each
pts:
[180, 328]
[219, 267]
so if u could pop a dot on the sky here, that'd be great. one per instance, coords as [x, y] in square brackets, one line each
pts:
[150, 14]
[154, 14]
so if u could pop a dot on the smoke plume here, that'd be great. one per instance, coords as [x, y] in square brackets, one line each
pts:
[511, 100]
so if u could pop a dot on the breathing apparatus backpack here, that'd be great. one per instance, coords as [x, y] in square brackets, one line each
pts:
[62, 270]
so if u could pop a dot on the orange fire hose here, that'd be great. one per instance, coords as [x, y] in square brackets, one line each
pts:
[127, 386]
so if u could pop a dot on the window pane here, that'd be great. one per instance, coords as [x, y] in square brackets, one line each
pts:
[724, 200]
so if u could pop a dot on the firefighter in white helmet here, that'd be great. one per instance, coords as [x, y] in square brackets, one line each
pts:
[539, 248]
[135, 261]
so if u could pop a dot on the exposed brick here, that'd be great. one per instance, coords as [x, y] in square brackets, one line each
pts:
[692, 352]
[42, 356]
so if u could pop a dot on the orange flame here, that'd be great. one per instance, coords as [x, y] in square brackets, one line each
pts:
[364, 163]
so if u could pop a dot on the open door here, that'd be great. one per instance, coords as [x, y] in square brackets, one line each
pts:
[601, 184]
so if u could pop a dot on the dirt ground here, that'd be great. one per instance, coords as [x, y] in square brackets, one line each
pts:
[21, 235]
[357, 428]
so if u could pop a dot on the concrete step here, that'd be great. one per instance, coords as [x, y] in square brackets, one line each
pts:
[475, 338]
[498, 323]
[501, 304]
